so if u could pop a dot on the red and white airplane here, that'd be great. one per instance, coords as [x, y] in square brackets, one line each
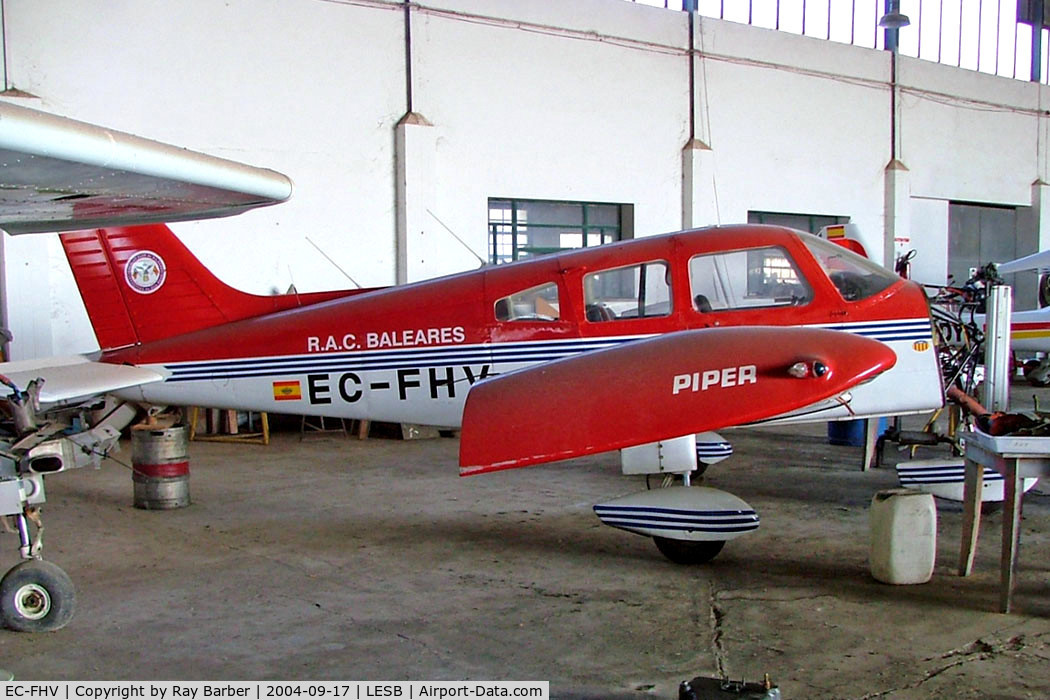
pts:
[636, 346]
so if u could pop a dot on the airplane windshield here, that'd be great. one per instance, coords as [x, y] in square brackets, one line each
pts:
[854, 276]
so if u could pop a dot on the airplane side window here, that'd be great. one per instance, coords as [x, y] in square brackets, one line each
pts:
[741, 279]
[533, 304]
[636, 291]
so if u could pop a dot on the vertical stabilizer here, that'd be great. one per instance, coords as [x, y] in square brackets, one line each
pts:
[140, 284]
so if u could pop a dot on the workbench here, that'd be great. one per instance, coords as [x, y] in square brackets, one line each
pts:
[1016, 458]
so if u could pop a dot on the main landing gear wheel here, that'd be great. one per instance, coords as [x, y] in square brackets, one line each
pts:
[36, 596]
[689, 552]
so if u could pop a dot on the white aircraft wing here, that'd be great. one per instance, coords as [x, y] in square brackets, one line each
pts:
[70, 379]
[57, 174]
[1035, 261]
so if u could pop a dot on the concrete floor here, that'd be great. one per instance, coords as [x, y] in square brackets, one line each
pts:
[338, 559]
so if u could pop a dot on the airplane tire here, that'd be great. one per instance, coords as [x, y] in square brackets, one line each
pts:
[1035, 377]
[36, 596]
[689, 553]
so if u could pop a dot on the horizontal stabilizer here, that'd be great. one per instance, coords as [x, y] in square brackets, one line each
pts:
[659, 388]
[70, 379]
[57, 174]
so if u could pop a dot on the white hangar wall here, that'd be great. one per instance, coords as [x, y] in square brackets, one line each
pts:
[795, 125]
[589, 102]
[585, 100]
[968, 137]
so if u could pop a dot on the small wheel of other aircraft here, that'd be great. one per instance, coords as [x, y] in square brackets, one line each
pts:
[1036, 373]
[689, 552]
[36, 596]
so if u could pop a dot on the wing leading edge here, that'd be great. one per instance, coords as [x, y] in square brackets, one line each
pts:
[657, 389]
[72, 379]
[57, 174]
[1035, 261]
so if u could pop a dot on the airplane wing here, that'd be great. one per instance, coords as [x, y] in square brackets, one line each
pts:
[658, 388]
[71, 379]
[1029, 262]
[57, 174]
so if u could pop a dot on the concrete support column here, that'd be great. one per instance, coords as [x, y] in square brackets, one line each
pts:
[1041, 205]
[414, 145]
[699, 205]
[897, 210]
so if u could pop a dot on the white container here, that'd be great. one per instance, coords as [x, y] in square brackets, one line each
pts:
[903, 536]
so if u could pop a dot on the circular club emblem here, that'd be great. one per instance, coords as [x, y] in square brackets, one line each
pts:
[145, 272]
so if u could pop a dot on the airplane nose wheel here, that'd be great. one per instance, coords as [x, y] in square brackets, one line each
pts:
[36, 596]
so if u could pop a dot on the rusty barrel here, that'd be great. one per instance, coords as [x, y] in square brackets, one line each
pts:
[161, 467]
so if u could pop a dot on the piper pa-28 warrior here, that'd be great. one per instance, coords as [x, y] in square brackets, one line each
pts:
[636, 346]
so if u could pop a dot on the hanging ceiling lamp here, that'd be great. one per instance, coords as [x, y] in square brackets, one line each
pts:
[893, 19]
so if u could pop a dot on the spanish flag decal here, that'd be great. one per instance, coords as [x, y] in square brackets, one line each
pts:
[287, 391]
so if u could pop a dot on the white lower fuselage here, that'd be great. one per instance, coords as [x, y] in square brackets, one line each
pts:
[428, 385]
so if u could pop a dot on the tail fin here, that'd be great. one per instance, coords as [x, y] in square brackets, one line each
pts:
[846, 235]
[140, 284]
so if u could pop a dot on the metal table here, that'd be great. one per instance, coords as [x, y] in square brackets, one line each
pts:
[1016, 458]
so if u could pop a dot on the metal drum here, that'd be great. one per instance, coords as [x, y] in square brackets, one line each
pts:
[162, 467]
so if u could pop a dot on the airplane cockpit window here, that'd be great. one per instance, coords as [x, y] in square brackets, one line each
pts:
[636, 291]
[533, 304]
[853, 275]
[741, 279]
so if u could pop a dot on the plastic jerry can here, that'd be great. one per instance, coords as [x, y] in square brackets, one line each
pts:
[903, 536]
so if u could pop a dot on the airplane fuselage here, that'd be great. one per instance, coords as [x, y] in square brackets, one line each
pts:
[410, 354]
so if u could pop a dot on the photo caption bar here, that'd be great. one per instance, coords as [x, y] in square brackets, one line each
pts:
[272, 690]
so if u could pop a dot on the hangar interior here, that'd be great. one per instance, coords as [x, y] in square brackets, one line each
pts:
[430, 138]
[406, 149]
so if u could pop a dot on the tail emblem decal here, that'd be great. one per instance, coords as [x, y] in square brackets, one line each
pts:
[145, 272]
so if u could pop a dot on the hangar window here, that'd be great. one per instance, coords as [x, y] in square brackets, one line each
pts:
[534, 304]
[811, 223]
[636, 291]
[746, 279]
[525, 228]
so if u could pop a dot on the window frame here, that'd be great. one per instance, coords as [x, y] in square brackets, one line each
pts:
[530, 318]
[639, 295]
[518, 228]
[732, 303]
